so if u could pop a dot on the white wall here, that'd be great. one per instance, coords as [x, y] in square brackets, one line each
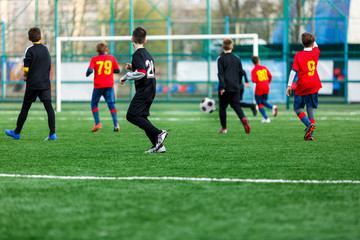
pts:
[75, 71]
[353, 75]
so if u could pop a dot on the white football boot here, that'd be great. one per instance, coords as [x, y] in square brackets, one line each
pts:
[274, 110]
[161, 149]
[266, 120]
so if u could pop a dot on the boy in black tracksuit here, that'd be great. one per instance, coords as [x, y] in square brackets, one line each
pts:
[37, 64]
[230, 74]
[143, 73]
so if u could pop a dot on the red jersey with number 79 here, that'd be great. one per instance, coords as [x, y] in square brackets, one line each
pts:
[103, 66]
[305, 64]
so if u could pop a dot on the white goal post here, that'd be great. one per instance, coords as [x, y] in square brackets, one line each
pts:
[59, 40]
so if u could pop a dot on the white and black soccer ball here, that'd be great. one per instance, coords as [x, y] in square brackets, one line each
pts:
[207, 105]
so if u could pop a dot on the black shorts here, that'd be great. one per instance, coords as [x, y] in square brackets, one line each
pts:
[32, 94]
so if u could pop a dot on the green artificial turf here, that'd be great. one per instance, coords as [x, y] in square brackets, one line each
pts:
[168, 209]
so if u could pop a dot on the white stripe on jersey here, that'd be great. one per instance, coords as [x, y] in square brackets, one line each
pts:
[27, 49]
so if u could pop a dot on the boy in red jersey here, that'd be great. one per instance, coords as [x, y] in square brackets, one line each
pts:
[308, 84]
[262, 77]
[105, 66]
[143, 73]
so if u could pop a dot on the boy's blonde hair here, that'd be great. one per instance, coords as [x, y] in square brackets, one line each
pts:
[101, 47]
[307, 39]
[227, 44]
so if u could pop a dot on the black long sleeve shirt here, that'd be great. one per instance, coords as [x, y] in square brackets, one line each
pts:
[230, 72]
[38, 62]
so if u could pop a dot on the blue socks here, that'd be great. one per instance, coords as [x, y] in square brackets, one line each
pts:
[262, 111]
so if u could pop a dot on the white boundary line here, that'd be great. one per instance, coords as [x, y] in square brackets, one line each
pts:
[184, 179]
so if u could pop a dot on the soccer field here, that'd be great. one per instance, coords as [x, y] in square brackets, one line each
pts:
[84, 192]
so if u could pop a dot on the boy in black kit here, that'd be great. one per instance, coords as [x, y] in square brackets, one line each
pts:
[143, 73]
[37, 64]
[230, 74]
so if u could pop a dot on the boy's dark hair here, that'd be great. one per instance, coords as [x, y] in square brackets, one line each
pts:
[227, 44]
[255, 59]
[307, 39]
[139, 35]
[34, 34]
[101, 47]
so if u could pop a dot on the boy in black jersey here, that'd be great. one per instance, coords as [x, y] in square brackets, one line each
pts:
[143, 73]
[230, 74]
[37, 64]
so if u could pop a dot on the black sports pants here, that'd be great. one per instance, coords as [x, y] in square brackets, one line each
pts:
[29, 98]
[144, 123]
[24, 112]
[232, 98]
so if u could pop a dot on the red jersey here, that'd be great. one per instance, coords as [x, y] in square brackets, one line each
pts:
[262, 77]
[103, 66]
[305, 64]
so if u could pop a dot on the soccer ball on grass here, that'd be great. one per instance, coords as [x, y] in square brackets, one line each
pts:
[207, 105]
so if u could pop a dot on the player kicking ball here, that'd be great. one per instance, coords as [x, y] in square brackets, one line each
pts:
[261, 76]
[143, 73]
[308, 84]
[105, 66]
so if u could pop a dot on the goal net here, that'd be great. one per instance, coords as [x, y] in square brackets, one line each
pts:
[185, 65]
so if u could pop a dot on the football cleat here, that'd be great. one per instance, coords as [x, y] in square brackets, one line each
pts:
[254, 110]
[246, 125]
[162, 149]
[11, 133]
[51, 137]
[151, 150]
[117, 128]
[309, 131]
[96, 127]
[223, 130]
[160, 139]
[274, 110]
[266, 120]
[309, 139]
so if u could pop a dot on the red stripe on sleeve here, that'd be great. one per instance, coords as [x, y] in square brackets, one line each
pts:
[141, 70]
[113, 110]
[301, 115]
[95, 110]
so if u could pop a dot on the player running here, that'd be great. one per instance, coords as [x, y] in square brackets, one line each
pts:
[143, 73]
[308, 84]
[105, 66]
[230, 74]
[262, 77]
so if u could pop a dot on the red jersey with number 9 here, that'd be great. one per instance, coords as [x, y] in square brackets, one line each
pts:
[305, 63]
[103, 66]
